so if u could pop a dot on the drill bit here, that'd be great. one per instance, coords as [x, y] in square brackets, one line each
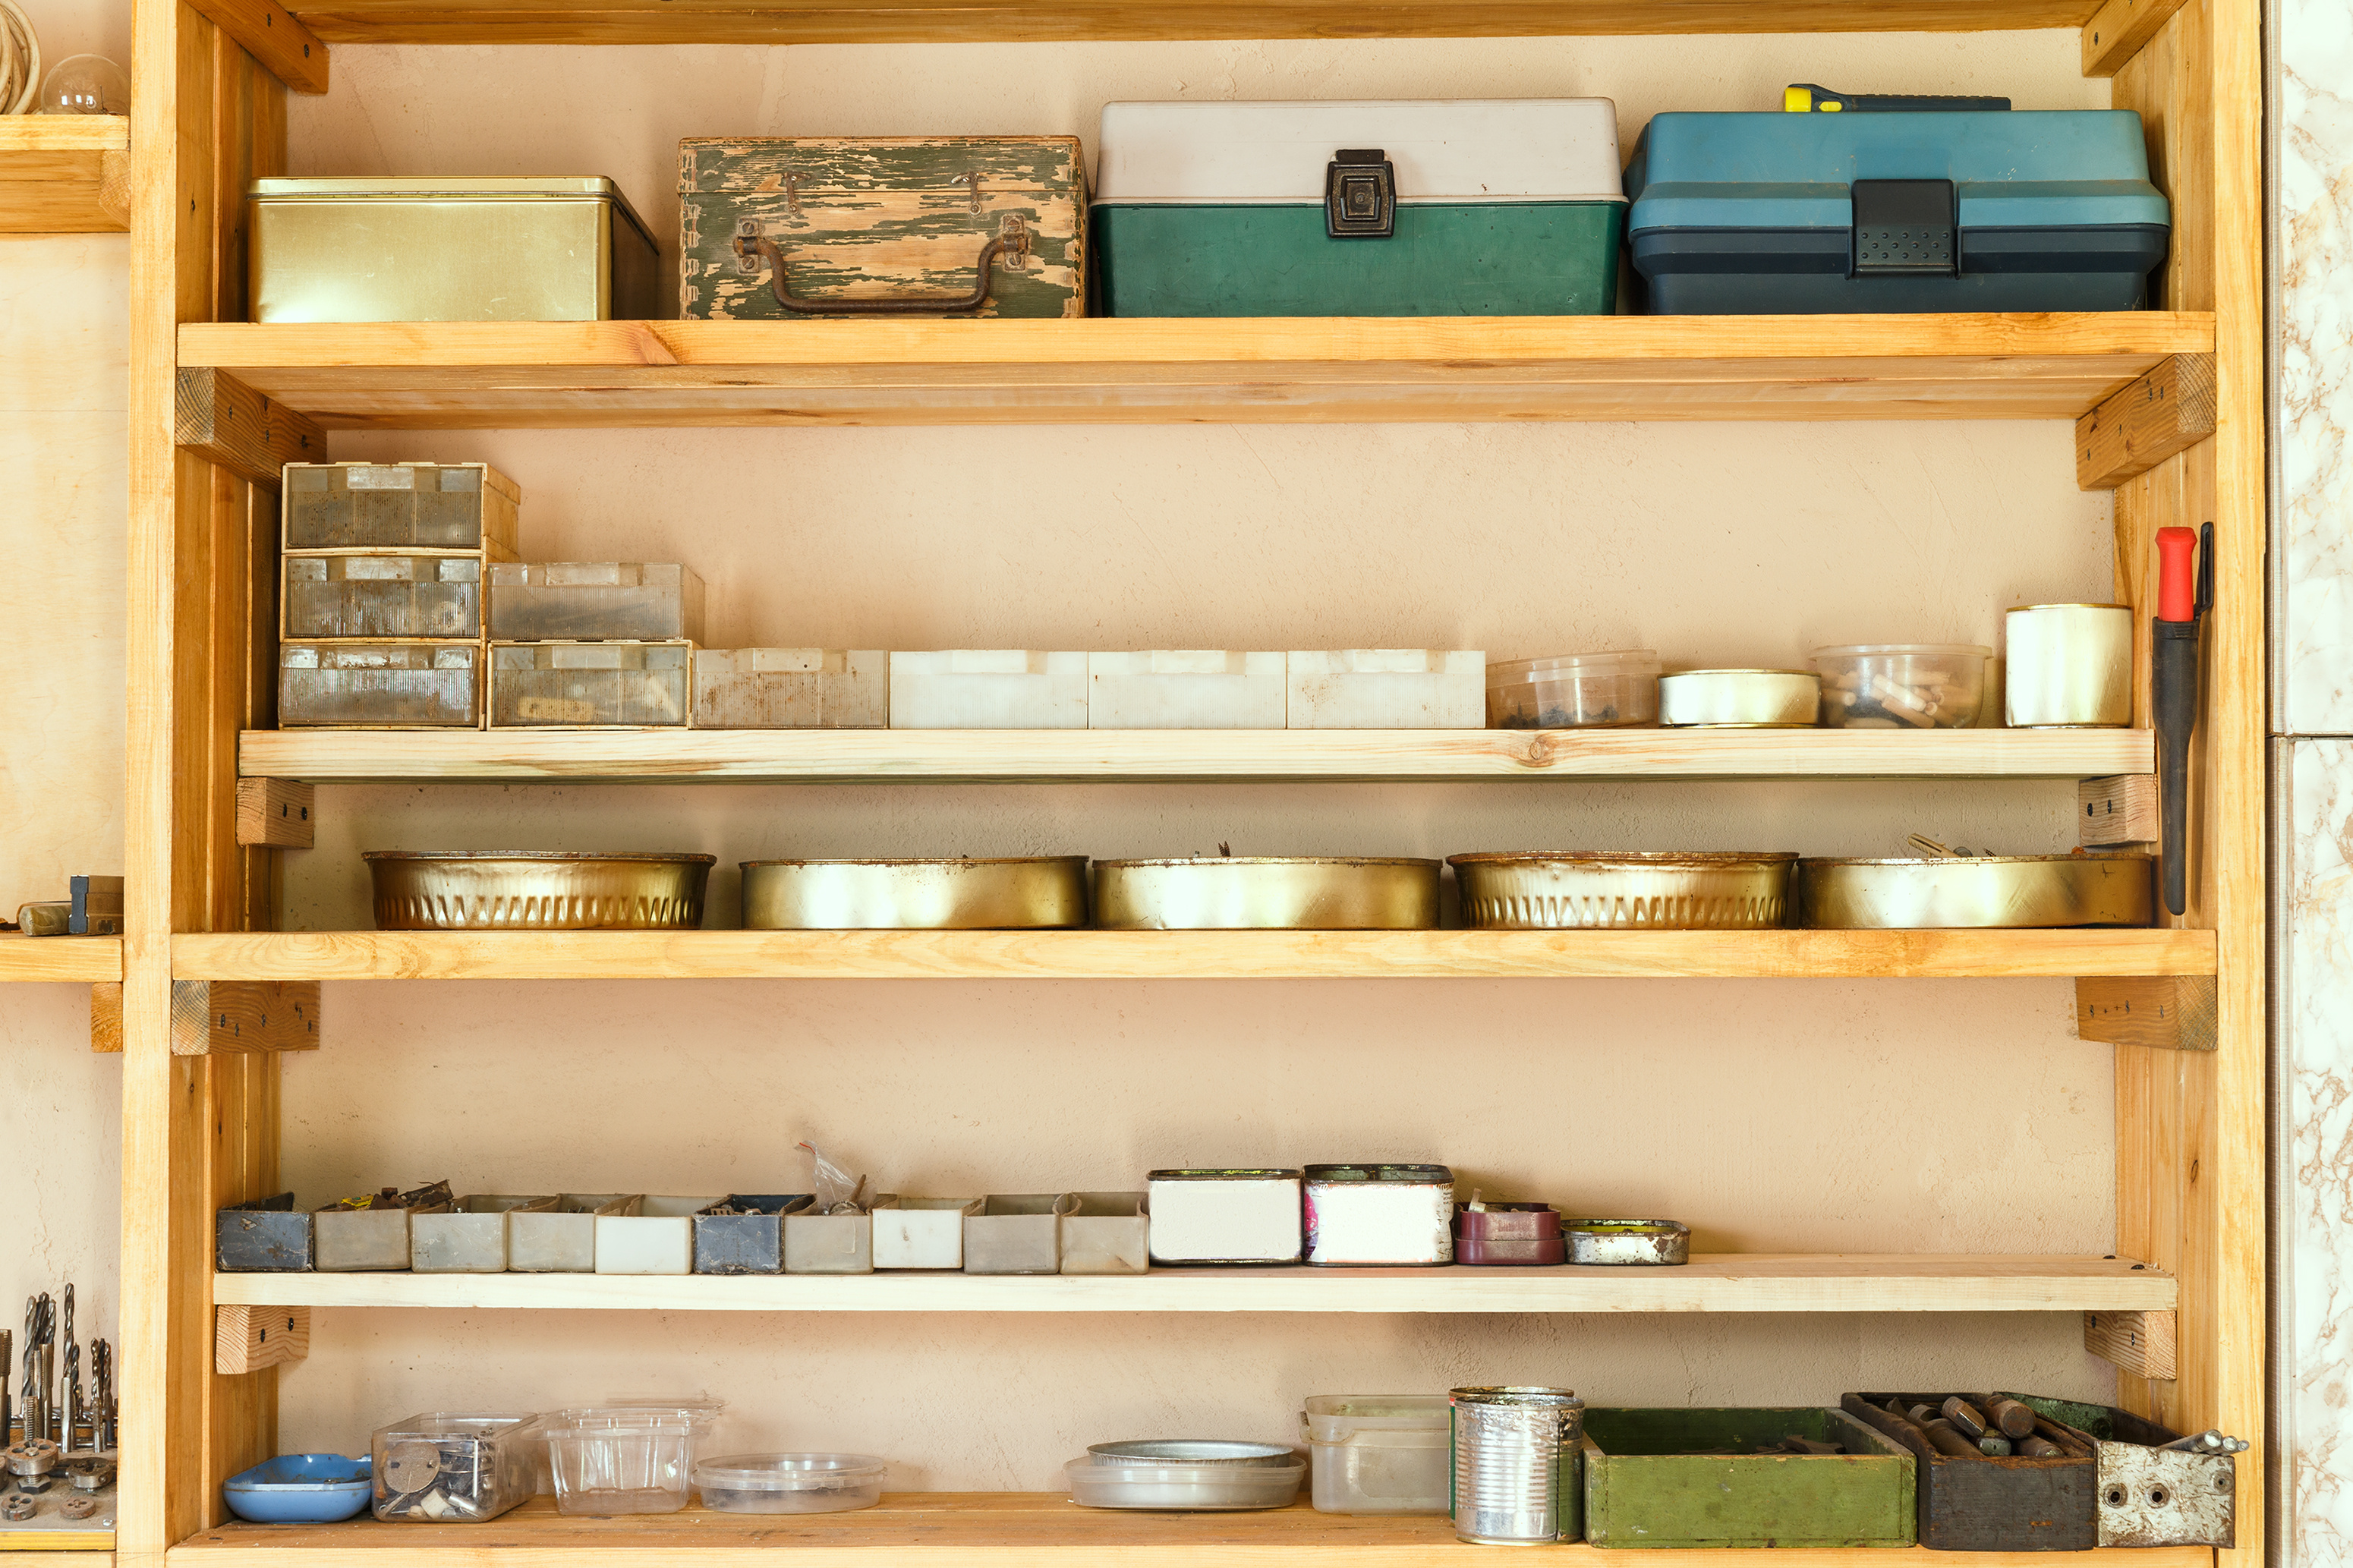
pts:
[70, 1416]
[101, 1360]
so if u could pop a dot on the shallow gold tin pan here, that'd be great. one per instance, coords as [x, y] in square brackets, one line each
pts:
[1982, 890]
[536, 889]
[1568, 891]
[1286, 893]
[1038, 893]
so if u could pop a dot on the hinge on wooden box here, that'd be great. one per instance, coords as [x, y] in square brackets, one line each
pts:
[1360, 195]
[1905, 228]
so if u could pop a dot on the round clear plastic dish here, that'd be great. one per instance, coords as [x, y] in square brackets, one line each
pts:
[607, 1469]
[1902, 686]
[1575, 691]
[1201, 1489]
[791, 1483]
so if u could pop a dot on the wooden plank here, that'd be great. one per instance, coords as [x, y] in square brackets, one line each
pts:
[1720, 1282]
[740, 756]
[224, 421]
[247, 1339]
[2117, 809]
[274, 37]
[2161, 413]
[96, 959]
[227, 1017]
[933, 21]
[2170, 1012]
[275, 813]
[1182, 955]
[591, 373]
[106, 1018]
[2120, 29]
[66, 174]
[2142, 1343]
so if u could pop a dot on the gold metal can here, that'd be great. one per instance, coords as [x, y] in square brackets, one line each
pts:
[1740, 699]
[1267, 893]
[1976, 890]
[1039, 893]
[2068, 667]
[1566, 890]
[442, 249]
[536, 889]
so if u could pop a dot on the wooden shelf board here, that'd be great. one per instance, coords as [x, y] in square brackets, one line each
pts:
[963, 21]
[1180, 955]
[999, 1530]
[96, 959]
[65, 174]
[572, 374]
[1718, 1282]
[816, 756]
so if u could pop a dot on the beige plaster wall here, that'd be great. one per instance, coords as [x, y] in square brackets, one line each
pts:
[1818, 1116]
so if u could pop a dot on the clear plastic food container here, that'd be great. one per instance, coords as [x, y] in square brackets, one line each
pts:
[606, 684]
[791, 1483]
[384, 597]
[450, 1467]
[623, 601]
[1200, 1487]
[1902, 686]
[1378, 1453]
[602, 1467]
[380, 685]
[1575, 691]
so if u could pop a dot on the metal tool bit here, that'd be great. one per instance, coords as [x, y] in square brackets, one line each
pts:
[2040, 1448]
[2210, 1441]
[2011, 1417]
[1994, 1448]
[1945, 1441]
[1967, 1419]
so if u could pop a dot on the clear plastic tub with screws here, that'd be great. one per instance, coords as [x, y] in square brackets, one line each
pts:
[1902, 686]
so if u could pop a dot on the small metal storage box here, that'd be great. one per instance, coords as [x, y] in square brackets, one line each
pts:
[791, 688]
[1978, 1503]
[397, 506]
[658, 1238]
[1014, 1234]
[779, 227]
[265, 1236]
[1106, 1233]
[920, 1233]
[595, 601]
[588, 685]
[562, 1240]
[745, 1233]
[354, 1240]
[1376, 1216]
[2150, 1495]
[471, 1238]
[380, 686]
[382, 596]
[1229, 1217]
[435, 250]
[829, 1243]
[1648, 1483]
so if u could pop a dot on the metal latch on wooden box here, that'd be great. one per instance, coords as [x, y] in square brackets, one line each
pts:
[1905, 228]
[1360, 195]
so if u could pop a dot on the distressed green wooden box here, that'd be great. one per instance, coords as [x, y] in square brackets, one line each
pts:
[1648, 1485]
[907, 227]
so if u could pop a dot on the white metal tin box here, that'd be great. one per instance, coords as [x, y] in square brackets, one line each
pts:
[1186, 689]
[1380, 1215]
[1225, 1216]
[989, 688]
[657, 1239]
[1389, 689]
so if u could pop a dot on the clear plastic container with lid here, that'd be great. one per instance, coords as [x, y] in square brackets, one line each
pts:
[1575, 691]
[605, 1467]
[1378, 1453]
[791, 1483]
[449, 1468]
[1902, 686]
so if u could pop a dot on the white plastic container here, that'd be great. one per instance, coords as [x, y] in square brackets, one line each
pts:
[1575, 691]
[2068, 666]
[791, 1483]
[1194, 1487]
[829, 1243]
[791, 688]
[989, 688]
[471, 1238]
[1383, 1453]
[657, 1239]
[1225, 1217]
[1902, 686]
[1014, 1233]
[1187, 689]
[605, 1468]
[581, 601]
[1389, 689]
[588, 685]
[562, 1240]
[1106, 1233]
[920, 1233]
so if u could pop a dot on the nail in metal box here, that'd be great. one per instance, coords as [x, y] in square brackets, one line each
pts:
[829, 1243]
[471, 1238]
[744, 1243]
[397, 506]
[562, 1240]
[657, 1239]
[265, 1236]
[1225, 1217]
[920, 1233]
[1649, 1480]
[437, 249]
[1106, 1233]
[1014, 1234]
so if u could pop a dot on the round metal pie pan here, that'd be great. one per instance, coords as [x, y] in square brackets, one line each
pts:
[1977, 891]
[1573, 890]
[1034, 893]
[536, 889]
[1283, 893]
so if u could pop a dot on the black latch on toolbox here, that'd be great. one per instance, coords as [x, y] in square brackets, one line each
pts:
[1360, 195]
[1905, 228]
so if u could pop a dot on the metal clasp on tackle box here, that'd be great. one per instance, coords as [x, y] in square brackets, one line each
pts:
[1360, 195]
[752, 248]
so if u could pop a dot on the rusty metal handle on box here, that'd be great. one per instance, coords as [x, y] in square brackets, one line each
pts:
[1012, 241]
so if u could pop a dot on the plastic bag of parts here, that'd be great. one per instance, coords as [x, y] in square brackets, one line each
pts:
[838, 1191]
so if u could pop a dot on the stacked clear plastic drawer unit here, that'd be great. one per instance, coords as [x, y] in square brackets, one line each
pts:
[382, 608]
[592, 644]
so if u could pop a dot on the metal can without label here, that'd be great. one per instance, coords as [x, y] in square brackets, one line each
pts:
[1636, 1243]
[1380, 1216]
[1512, 1464]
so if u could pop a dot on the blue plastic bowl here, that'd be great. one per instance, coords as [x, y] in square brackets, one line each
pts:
[300, 1489]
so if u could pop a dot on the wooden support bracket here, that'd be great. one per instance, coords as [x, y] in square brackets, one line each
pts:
[2120, 809]
[2167, 410]
[2141, 1343]
[275, 813]
[247, 1339]
[270, 33]
[211, 1016]
[2171, 1012]
[224, 421]
[106, 1017]
[2118, 30]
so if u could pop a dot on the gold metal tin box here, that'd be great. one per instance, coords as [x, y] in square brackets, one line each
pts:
[449, 251]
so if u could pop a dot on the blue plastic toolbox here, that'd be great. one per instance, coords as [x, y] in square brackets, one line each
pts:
[1808, 213]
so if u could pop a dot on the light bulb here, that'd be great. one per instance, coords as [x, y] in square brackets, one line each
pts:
[85, 84]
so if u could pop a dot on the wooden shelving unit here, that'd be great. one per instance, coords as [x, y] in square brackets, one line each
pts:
[1188, 955]
[96, 959]
[202, 1130]
[1112, 756]
[65, 174]
[576, 375]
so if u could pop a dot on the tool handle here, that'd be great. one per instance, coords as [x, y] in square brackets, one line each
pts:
[2177, 574]
[2174, 655]
[1806, 97]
